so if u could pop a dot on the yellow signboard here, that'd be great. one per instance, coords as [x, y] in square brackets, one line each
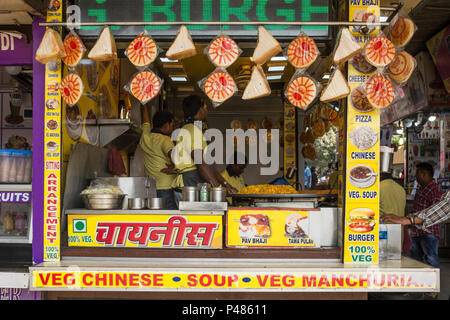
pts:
[257, 227]
[302, 280]
[52, 152]
[146, 231]
[289, 136]
[362, 154]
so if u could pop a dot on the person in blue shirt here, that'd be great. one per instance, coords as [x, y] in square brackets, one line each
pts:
[307, 177]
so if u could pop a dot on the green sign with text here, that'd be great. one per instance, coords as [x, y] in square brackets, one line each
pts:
[206, 11]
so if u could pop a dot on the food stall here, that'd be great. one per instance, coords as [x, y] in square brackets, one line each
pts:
[271, 241]
[16, 156]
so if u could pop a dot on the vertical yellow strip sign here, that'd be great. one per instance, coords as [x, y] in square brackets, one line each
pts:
[52, 150]
[362, 193]
[290, 158]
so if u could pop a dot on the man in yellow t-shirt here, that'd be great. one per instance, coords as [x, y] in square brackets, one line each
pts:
[157, 146]
[188, 154]
[234, 171]
[392, 197]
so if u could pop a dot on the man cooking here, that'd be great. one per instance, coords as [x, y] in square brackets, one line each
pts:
[157, 146]
[190, 149]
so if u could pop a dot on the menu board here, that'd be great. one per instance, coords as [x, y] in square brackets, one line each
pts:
[145, 231]
[362, 156]
[268, 228]
[52, 151]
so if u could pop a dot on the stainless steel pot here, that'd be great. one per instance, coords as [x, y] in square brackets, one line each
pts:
[136, 203]
[190, 194]
[103, 201]
[155, 203]
[218, 194]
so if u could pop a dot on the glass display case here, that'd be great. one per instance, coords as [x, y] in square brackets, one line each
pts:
[15, 213]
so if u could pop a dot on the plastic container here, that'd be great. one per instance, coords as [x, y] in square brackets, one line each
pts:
[218, 194]
[15, 166]
[383, 243]
[190, 194]
[19, 223]
[5, 158]
[203, 192]
[28, 166]
[19, 158]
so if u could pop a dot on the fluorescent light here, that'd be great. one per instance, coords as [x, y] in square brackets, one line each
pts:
[276, 68]
[164, 59]
[180, 79]
[278, 58]
[383, 19]
[326, 76]
[273, 77]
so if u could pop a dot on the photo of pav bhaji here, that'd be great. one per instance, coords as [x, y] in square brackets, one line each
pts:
[52, 124]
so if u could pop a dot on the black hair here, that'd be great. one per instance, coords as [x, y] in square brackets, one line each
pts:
[385, 176]
[238, 156]
[161, 118]
[425, 167]
[191, 105]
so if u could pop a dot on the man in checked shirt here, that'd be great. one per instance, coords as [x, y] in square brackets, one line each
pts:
[437, 213]
[429, 211]
[429, 217]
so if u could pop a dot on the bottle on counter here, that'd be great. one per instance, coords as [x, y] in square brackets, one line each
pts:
[8, 223]
[383, 243]
[203, 192]
[19, 223]
[122, 109]
[127, 113]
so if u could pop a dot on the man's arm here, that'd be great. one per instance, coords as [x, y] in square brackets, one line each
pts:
[144, 114]
[170, 169]
[209, 174]
[426, 218]
[435, 214]
[223, 182]
[204, 169]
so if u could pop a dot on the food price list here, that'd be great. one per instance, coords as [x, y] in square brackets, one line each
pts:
[52, 150]
[362, 154]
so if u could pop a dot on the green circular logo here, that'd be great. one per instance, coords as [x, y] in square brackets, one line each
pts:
[79, 225]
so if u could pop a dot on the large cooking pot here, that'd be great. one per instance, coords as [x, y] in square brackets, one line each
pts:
[103, 201]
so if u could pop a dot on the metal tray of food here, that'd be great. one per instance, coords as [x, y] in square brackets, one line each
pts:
[284, 196]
